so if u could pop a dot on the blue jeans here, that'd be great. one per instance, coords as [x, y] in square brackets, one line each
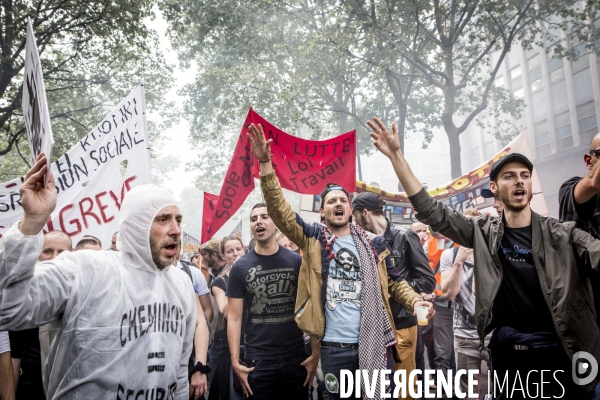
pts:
[278, 379]
[334, 359]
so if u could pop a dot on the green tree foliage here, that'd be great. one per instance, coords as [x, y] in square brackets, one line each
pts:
[93, 53]
[422, 64]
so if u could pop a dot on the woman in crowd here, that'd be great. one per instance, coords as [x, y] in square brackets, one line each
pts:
[223, 386]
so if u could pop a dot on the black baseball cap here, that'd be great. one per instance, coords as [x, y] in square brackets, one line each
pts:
[486, 193]
[511, 157]
[330, 187]
[367, 201]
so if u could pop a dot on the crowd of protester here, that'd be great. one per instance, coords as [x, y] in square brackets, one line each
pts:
[280, 317]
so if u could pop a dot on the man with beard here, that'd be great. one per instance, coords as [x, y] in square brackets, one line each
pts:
[213, 259]
[263, 283]
[124, 321]
[344, 280]
[412, 265]
[530, 277]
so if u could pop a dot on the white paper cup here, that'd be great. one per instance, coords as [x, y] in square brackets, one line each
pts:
[422, 315]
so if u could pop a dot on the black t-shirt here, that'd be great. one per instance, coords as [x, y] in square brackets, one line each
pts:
[520, 302]
[586, 215]
[221, 283]
[268, 285]
[587, 218]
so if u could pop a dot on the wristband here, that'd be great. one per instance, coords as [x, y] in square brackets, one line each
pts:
[199, 367]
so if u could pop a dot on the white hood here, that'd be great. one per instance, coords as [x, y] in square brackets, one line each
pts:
[138, 210]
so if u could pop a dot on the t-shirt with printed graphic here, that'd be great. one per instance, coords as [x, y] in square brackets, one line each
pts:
[520, 302]
[343, 293]
[268, 285]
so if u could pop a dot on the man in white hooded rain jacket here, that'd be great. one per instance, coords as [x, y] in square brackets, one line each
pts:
[125, 320]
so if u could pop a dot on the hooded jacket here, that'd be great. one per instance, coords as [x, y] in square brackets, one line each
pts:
[119, 327]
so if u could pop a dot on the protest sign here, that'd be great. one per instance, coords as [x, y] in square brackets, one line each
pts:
[303, 166]
[94, 175]
[190, 243]
[35, 106]
[463, 192]
[460, 194]
[208, 208]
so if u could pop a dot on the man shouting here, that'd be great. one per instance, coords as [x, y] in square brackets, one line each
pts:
[125, 320]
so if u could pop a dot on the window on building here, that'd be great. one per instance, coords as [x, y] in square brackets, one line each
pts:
[558, 92]
[519, 93]
[533, 62]
[557, 74]
[564, 134]
[535, 74]
[588, 125]
[538, 106]
[499, 82]
[582, 87]
[536, 85]
[489, 150]
[517, 84]
[542, 144]
[583, 59]
[515, 73]
[554, 63]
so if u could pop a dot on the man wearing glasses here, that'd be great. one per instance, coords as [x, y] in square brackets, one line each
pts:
[579, 201]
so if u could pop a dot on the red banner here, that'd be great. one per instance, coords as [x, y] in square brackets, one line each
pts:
[303, 166]
[208, 209]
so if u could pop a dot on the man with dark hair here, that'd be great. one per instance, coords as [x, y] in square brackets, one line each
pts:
[211, 253]
[263, 285]
[412, 265]
[531, 276]
[344, 280]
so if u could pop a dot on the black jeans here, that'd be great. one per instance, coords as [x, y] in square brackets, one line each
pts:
[278, 379]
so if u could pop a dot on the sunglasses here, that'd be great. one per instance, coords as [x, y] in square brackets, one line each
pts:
[595, 152]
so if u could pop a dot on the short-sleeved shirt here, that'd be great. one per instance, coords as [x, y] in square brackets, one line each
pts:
[587, 218]
[343, 293]
[221, 333]
[4, 342]
[268, 285]
[198, 280]
[464, 302]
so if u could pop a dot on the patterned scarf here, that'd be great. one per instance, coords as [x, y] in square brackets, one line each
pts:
[376, 333]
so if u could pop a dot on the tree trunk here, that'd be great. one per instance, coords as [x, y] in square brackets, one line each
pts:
[453, 139]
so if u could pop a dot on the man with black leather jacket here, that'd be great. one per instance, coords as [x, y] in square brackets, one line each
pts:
[410, 261]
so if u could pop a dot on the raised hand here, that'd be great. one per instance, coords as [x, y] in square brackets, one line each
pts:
[386, 142]
[38, 202]
[260, 146]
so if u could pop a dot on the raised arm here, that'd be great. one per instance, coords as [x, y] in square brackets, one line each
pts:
[280, 211]
[429, 211]
[32, 295]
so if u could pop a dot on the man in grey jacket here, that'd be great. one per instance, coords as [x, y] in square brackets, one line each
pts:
[531, 279]
[124, 320]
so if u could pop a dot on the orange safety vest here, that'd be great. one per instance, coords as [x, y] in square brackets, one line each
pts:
[434, 254]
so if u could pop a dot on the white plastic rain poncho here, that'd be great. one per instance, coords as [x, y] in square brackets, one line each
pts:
[120, 327]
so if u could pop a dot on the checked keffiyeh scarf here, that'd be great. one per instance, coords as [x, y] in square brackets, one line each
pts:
[376, 333]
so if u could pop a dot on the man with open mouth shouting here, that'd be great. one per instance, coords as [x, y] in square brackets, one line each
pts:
[531, 279]
[122, 322]
[344, 279]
